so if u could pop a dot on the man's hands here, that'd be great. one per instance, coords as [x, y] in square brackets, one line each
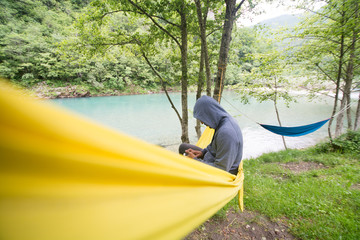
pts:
[191, 153]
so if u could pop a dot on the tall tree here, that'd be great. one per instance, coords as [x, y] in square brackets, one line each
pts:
[202, 20]
[204, 55]
[267, 81]
[232, 13]
[357, 118]
[331, 36]
[230, 16]
[165, 22]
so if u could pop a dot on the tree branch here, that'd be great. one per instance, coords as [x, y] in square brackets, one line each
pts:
[318, 13]
[217, 29]
[110, 44]
[155, 16]
[327, 95]
[162, 83]
[167, 21]
[309, 37]
[327, 75]
[239, 6]
[155, 22]
[108, 13]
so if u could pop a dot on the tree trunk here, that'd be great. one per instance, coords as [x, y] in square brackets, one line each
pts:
[347, 90]
[183, 49]
[277, 113]
[357, 116]
[184, 76]
[338, 79]
[278, 118]
[348, 86]
[348, 113]
[204, 49]
[346, 93]
[162, 84]
[230, 16]
[199, 89]
[351, 65]
[340, 117]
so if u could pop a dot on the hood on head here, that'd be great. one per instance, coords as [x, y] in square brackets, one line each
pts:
[209, 111]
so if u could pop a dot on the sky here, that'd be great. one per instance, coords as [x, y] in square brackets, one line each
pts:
[269, 11]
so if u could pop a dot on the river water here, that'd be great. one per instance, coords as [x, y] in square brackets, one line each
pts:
[151, 118]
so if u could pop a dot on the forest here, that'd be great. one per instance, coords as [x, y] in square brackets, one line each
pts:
[63, 48]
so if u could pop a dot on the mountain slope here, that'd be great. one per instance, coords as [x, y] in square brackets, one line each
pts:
[287, 20]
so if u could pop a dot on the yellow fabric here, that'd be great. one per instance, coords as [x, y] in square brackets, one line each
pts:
[205, 137]
[203, 142]
[65, 177]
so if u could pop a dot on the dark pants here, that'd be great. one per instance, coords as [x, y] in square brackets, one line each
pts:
[186, 146]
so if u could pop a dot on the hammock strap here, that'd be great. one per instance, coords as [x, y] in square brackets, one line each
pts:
[344, 109]
[232, 105]
[277, 129]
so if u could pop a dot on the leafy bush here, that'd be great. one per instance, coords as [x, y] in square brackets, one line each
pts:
[346, 143]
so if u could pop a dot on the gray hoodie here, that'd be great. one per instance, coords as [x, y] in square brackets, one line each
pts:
[226, 148]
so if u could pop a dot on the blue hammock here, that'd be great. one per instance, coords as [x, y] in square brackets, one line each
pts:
[295, 131]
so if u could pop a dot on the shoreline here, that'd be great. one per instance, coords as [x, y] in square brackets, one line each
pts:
[80, 94]
[43, 91]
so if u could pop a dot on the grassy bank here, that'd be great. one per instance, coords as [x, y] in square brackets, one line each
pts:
[315, 192]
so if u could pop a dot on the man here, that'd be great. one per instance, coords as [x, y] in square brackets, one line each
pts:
[226, 148]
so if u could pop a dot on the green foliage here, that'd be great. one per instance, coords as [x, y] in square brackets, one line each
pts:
[27, 38]
[266, 68]
[322, 36]
[29, 53]
[267, 79]
[347, 143]
[148, 28]
[40, 44]
[243, 44]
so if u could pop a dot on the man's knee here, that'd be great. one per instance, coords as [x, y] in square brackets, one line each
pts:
[183, 147]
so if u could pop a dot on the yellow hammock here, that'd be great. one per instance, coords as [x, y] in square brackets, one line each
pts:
[66, 177]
